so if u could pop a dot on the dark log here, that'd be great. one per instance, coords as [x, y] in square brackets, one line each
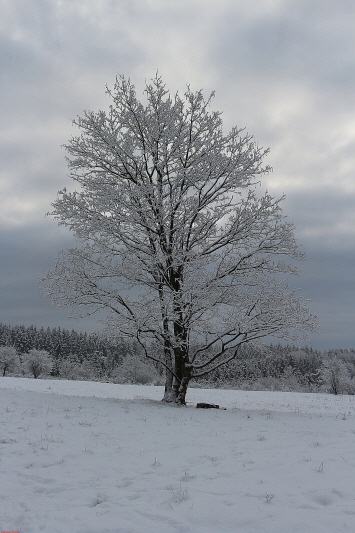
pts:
[207, 406]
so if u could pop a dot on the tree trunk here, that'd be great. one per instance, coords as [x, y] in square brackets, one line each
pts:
[169, 376]
[168, 385]
[183, 372]
[176, 386]
[181, 399]
[178, 382]
[172, 383]
[169, 395]
[179, 372]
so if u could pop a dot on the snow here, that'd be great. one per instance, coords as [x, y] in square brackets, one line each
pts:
[89, 457]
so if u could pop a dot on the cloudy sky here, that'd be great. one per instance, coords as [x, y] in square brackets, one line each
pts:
[283, 69]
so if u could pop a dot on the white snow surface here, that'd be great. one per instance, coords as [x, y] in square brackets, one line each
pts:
[85, 457]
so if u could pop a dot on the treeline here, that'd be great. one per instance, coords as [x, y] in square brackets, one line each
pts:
[61, 343]
[288, 368]
[79, 355]
[76, 355]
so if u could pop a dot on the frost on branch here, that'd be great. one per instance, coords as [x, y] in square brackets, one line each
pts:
[177, 244]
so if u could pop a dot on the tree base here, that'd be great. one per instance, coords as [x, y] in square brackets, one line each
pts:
[174, 401]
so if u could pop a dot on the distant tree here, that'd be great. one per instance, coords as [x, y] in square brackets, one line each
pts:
[136, 370]
[9, 359]
[335, 375]
[5, 335]
[177, 244]
[38, 362]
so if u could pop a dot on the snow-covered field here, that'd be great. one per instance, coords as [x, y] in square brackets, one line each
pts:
[82, 457]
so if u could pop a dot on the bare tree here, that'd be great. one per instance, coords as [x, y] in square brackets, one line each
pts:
[177, 243]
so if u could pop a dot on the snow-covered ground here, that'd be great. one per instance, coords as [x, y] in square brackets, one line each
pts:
[83, 457]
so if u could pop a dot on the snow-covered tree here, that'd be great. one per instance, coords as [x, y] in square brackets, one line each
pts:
[9, 359]
[38, 362]
[176, 242]
[135, 370]
[335, 375]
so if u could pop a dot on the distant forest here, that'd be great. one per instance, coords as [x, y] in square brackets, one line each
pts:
[94, 356]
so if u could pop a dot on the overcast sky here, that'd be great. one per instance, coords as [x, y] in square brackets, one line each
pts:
[283, 69]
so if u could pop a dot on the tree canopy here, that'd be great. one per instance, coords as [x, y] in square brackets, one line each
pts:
[176, 242]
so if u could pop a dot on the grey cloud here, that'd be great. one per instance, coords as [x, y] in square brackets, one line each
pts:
[328, 280]
[293, 55]
[27, 255]
[324, 219]
[297, 40]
